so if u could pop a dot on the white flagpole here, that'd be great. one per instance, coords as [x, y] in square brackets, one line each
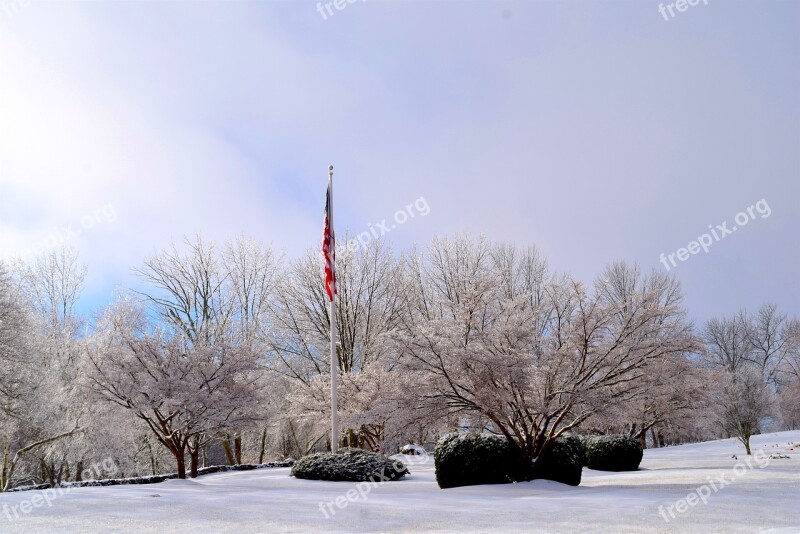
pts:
[334, 359]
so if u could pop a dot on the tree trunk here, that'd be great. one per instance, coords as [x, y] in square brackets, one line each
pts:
[642, 437]
[181, 461]
[195, 455]
[47, 473]
[537, 463]
[4, 473]
[152, 459]
[263, 446]
[746, 441]
[237, 448]
[226, 446]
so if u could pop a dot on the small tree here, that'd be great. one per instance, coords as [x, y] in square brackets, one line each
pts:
[743, 404]
[185, 394]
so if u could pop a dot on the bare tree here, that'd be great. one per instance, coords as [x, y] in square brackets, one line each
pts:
[773, 343]
[672, 399]
[751, 353]
[789, 405]
[727, 342]
[744, 403]
[370, 303]
[54, 282]
[189, 291]
[251, 271]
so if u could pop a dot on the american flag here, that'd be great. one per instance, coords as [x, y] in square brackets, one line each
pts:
[328, 249]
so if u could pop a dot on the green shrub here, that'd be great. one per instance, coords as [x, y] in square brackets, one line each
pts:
[578, 445]
[355, 465]
[482, 459]
[613, 453]
[563, 462]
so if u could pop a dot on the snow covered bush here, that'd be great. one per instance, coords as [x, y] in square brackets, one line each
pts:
[482, 459]
[412, 449]
[613, 453]
[355, 465]
[564, 461]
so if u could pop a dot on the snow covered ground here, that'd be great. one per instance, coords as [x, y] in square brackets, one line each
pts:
[752, 500]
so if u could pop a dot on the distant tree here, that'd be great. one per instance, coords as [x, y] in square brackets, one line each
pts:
[743, 403]
[188, 291]
[773, 341]
[727, 342]
[750, 355]
[789, 405]
[671, 399]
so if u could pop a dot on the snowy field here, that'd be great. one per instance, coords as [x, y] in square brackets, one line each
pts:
[754, 500]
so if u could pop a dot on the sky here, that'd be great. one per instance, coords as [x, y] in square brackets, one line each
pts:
[596, 130]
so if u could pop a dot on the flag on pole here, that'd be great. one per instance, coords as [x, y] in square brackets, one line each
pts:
[328, 248]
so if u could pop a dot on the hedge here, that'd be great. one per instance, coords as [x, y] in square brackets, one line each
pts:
[613, 453]
[478, 459]
[563, 462]
[355, 465]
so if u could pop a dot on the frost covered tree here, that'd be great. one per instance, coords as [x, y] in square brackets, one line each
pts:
[493, 335]
[185, 394]
[742, 403]
[750, 355]
[213, 296]
[52, 284]
[28, 423]
[727, 342]
[369, 304]
[670, 407]
[15, 324]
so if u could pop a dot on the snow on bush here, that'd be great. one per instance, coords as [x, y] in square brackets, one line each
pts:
[564, 461]
[483, 459]
[414, 450]
[613, 453]
[355, 465]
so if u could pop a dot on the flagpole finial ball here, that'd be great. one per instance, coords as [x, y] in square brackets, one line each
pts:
[330, 168]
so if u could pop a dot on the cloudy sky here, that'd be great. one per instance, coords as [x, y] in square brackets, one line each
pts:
[596, 130]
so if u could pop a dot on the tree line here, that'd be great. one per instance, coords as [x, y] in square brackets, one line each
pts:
[220, 355]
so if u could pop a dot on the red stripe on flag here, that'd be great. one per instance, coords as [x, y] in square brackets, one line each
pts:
[328, 250]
